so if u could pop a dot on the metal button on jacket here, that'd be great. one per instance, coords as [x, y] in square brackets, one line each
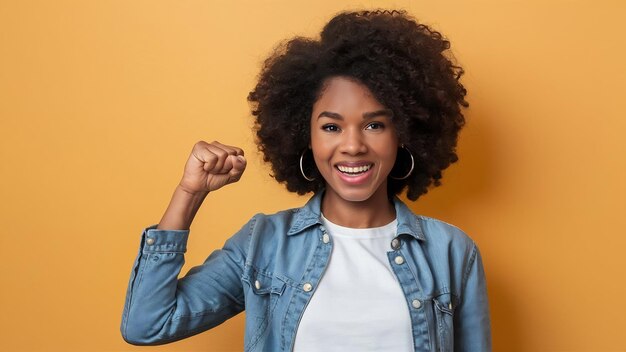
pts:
[326, 238]
[395, 244]
[307, 287]
[416, 303]
[257, 284]
[150, 241]
[399, 260]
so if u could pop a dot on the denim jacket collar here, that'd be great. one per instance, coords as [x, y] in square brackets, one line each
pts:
[309, 215]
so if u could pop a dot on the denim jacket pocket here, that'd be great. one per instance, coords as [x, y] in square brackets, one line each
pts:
[262, 290]
[444, 318]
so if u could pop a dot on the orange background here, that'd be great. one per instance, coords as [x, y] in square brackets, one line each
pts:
[102, 101]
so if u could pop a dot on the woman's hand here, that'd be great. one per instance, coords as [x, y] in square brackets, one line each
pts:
[212, 166]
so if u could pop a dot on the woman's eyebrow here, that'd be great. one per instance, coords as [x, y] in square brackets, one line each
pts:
[332, 115]
[383, 112]
[366, 115]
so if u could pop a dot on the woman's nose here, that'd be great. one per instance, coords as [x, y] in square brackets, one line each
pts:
[353, 143]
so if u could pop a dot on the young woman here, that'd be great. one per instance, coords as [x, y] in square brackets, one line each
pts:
[370, 109]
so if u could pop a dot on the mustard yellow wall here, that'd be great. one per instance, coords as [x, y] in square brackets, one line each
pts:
[102, 101]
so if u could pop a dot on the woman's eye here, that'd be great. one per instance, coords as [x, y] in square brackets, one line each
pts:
[375, 126]
[330, 128]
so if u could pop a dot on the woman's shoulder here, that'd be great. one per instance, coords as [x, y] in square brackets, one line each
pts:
[440, 224]
[429, 230]
[295, 218]
[282, 221]
[443, 232]
[276, 216]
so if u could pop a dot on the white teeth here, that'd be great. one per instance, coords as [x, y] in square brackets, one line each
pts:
[353, 170]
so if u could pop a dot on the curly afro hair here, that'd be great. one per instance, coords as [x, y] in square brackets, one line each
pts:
[405, 65]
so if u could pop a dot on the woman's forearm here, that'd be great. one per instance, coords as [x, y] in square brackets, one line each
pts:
[181, 210]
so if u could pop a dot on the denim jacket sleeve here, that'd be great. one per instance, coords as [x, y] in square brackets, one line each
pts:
[472, 330]
[161, 308]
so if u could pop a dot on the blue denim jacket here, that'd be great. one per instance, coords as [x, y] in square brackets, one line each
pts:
[272, 266]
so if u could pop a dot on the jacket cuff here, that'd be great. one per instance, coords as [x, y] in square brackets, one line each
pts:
[155, 241]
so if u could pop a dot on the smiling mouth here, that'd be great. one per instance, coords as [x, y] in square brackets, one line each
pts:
[354, 170]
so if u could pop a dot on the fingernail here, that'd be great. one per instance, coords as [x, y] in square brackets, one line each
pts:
[240, 157]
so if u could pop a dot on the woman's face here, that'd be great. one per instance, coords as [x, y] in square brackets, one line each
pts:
[353, 139]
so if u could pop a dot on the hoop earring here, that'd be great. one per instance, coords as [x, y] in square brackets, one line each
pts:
[412, 165]
[302, 169]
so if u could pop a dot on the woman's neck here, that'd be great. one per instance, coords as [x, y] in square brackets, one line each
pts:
[373, 212]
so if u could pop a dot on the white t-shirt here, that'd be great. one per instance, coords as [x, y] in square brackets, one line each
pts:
[358, 304]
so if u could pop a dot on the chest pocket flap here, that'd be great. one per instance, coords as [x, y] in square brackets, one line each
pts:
[263, 283]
